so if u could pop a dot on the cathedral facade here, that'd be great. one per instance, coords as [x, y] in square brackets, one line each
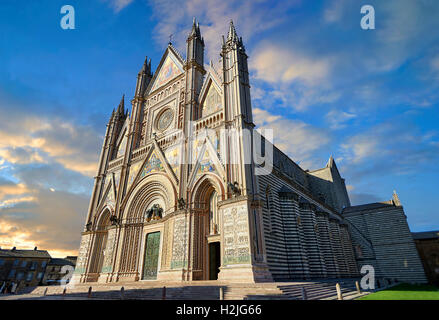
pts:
[187, 190]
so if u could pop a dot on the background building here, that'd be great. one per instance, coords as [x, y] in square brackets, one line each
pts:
[22, 267]
[427, 244]
[59, 269]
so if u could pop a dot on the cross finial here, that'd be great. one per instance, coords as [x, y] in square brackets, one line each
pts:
[170, 38]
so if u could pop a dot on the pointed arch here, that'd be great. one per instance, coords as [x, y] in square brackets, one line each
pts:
[152, 188]
[216, 162]
[200, 192]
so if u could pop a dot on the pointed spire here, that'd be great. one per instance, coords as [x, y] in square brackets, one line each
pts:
[395, 199]
[330, 163]
[232, 36]
[121, 107]
[195, 31]
[146, 68]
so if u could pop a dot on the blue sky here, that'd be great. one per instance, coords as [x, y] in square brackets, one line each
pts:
[368, 97]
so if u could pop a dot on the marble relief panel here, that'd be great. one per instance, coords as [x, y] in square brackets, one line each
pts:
[82, 254]
[236, 235]
[179, 244]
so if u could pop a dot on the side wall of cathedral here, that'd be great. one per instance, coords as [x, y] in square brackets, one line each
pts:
[385, 241]
[304, 238]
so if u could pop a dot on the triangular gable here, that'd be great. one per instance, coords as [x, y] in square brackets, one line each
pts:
[109, 195]
[174, 157]
[211, 95]
[134, 170]
[121, 142]
[207, 161]
[170, 67]
[155, 161]
[154, 164]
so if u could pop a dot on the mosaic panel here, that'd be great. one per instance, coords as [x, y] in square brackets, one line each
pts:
[154, 164]
[168, 71]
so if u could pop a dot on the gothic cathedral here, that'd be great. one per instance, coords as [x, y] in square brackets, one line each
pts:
[178, 198]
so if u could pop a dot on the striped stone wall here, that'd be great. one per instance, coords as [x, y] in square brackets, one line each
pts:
[303, 240]
[385, 227]
[325, 245]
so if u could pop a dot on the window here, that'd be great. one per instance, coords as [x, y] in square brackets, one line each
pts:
[33, 265]
[16, 262]
[24, 263]
[39, 276]
[30, 276]
[43, 264]
[2, 262]
[20, 275]
[11, 274]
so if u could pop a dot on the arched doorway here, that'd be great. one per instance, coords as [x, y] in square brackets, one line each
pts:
[153, 189]
[153, 214]
[99, 245]
[214, 247]
[207, 228]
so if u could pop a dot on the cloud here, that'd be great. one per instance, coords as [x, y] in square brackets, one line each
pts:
[21, 155]
[250, 18]
[338, 119]
[49, 220]
[45, 179]
[275, 64]
[118, 5]
[296, 138]
[334, 12]
[29, 139]
[390, 148]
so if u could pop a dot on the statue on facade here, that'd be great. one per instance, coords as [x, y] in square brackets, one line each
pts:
[88, 226]
[114, 220]
[155, 213]
[234, 187]
[181, 204]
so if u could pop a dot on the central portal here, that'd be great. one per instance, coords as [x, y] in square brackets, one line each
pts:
[150, 264]
[214, 260]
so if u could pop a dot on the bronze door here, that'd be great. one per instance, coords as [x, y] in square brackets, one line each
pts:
[150, 264]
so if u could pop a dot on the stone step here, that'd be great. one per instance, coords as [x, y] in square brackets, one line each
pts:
[204, 290]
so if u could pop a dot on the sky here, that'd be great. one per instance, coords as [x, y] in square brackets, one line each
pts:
[327, 87]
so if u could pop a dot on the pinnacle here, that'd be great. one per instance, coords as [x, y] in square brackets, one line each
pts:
[232, 36]
[146, 68]
[121, 107]
[195, 29]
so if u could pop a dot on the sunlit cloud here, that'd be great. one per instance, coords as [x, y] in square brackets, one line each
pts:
[250, 18]
[296, 138]
[277, 64]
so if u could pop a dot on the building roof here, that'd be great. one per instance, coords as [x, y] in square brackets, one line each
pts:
[61, 262]
[425, 235]
[369, 206]
[14, 253]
